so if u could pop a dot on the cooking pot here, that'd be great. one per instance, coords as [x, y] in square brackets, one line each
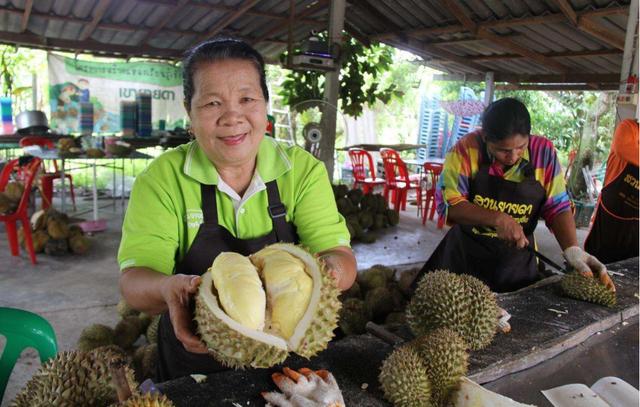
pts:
[32, 122]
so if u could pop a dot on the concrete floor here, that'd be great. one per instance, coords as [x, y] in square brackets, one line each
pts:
[75, 291]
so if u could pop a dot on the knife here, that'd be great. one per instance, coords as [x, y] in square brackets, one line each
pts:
[558, 269]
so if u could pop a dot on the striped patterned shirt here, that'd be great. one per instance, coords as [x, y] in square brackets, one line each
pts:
[463, 161]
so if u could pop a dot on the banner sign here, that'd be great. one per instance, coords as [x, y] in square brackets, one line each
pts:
[105, 85]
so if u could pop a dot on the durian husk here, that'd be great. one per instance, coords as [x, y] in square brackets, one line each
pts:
[147, 400]
[79, 244]
[56, 247]
[589, 289]
[444, 353]
[403, 378]
[152, 330]
[40, 239]
[7, 205]
[74, 379]
[238, 347]
[57, 228]
[353, 317]
[125, 310]
[144, 361]
[127, 332]
[14, 191]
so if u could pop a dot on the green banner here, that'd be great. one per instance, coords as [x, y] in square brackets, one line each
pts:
[155, 73]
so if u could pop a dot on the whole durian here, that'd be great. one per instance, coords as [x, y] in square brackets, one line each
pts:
[74, 379]
[144, 361]
[353, 317]
[444, 299]
[284, 301]
[393, 217]
[577, 286]
[147, 400]
[79, 244]
[152, 330]
[127, 331]
[125, 310]
[94, 336]
[403, 378]
[379, 302]
[14, 190]
[374, 277]
[353, 292]
[444, 353]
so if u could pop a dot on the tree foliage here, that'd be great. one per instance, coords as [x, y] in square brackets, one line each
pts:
[361, 78]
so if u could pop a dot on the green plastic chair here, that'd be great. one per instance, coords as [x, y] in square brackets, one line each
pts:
[23, 329]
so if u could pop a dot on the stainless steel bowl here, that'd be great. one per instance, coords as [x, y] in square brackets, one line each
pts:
[32, 122]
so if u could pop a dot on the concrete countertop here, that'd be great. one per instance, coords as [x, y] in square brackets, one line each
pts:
[537, 334]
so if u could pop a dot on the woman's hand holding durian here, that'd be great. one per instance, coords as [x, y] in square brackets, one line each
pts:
[588, 265]
[178, 291]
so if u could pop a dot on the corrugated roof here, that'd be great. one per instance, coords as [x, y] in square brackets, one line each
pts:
[561, 40]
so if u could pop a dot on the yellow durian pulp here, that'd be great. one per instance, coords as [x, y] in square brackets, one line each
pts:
[288, 289]
[239, 289]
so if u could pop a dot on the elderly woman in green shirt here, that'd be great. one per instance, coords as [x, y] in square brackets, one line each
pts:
[231, 189]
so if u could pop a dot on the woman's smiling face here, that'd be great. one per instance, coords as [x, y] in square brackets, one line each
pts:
[228, 111]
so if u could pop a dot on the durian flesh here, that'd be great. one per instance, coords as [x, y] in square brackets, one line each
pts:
[284, 301]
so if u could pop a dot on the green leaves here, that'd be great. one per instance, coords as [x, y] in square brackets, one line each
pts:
[360, 78]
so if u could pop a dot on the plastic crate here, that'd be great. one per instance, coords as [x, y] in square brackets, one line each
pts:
[583, 212]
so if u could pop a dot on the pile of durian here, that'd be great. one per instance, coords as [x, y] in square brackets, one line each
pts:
[253, 311]
[84, 379]
[52, 234]
[10, 197]
[449, 314]
[364, 213]
[375, 296]
[125, 336]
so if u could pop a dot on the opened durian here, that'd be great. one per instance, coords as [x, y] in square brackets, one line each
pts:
[460, 302]
[580, 287]
[254, 311]
[404, 379]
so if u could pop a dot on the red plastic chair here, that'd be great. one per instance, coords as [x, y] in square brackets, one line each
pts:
[429, 181]
[397, 179]
[47, 178]
[361, 161]
[27, 175]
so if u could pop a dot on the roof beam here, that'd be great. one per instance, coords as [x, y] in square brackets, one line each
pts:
[168, 16]
[568, 11]
[503, 57]
[569, 77]
[278, 29]
[558, 87]
[227, 20]
[597, 30]
[504, 23]
[28, 5]
[222, 7]
[422, 48]
[100, 9]
[461, 14]
[88, 46]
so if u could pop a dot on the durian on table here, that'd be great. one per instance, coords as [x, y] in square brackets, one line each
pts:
[252, 311]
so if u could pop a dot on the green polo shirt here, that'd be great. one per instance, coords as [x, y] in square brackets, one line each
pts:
[165, 207]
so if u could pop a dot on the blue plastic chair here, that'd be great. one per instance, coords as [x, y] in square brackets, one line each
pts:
[432, 128]
[23, 329]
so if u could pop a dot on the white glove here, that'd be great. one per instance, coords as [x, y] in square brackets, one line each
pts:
[304, 388]
[588, 265]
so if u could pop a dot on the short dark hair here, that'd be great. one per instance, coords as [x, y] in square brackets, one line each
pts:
[219, 49]
[505, 118]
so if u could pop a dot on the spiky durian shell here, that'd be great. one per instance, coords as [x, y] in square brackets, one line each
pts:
[237, 350]
[444, 353]
[152, 330]
[577, 286]
[145, 360]
[127, 331]
[376, 276]
[147, 400]
[74, 379]
[379, 302]
[483, 313]
[353, 317]
[404, 380]
[94, 336]
[463, 304]
[125, 310]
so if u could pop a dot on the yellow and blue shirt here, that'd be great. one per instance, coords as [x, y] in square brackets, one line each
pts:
[165, 207]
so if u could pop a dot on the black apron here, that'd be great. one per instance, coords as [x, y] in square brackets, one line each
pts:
[614, 234]
[212, 239]
[475, 250]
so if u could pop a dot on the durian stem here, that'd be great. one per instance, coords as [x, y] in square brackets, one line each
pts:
[382, 333]
[120, 381]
